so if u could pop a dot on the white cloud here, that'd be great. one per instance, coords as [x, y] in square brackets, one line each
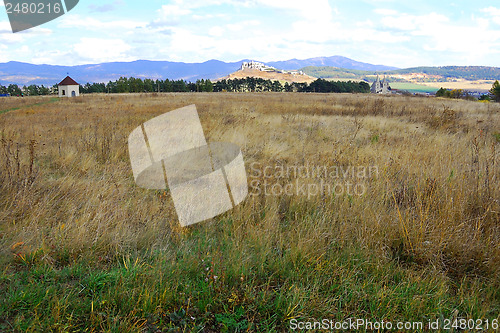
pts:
[242, 25]
[493, 12]
[312, 10]
[216, 31]
[315, 32]
[36, 31]
[197, 17]
[106, 7]
[413, 22]
[102, 50]
[3, 55]
[168, 11]
[54, 57]
[89, 23]
[192, 4]
[202, 47]
[468, 42]
[365, 24]
[169, 15]
[6, 35]
[5, 27]
[471, 40]
[315, 22]
[383, 11]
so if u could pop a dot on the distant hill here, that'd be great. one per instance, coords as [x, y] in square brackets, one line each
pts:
[26, 74]
[334, 61]
[274, 76]
[328, 72]
[461, 72]
[422, 74]
[321, 67]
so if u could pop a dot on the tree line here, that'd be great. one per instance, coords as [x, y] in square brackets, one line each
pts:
[137, 85]
[249, 84]
[122, 85]
[320, 86]
[493, 93]
[31, 90]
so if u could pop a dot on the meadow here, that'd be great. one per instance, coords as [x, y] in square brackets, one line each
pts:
[413, 87]
[405, 226]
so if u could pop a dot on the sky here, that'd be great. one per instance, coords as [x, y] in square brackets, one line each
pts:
[394, 33]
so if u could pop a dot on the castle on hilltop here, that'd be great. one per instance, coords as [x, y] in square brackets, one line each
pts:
[256, 65]
[380, 87]
[265, 68]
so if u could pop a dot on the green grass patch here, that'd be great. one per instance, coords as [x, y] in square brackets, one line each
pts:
[412, 87]
[212, 284]
[51, 100]
[497, 137]
[11, 109]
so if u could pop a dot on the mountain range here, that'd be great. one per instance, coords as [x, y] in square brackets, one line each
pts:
[339, 67]
[25, 74]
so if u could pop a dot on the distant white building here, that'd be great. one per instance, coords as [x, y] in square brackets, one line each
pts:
[380, 87]
[265, 68]
[256, 65]
[68, 88]
[293, 72]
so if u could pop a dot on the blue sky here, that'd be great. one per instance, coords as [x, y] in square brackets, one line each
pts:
[417, 33]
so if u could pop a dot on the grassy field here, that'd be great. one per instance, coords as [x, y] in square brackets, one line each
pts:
[413, 87]
[408, 231]
[478, 85]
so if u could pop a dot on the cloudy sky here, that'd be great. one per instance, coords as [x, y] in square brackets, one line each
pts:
[388, 32]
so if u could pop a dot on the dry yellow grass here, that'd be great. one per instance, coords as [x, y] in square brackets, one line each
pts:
[66, 181]
[16, 102]
[437, 187]
[477, 85]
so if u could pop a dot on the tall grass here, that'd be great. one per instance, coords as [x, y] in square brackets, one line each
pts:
[82, 247]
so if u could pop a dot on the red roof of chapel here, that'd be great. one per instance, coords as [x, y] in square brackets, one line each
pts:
[68, 82]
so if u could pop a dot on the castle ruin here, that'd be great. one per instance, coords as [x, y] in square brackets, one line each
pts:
[380, 87]
[257, 65]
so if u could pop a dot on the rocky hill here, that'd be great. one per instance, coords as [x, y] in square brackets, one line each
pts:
[269, 75]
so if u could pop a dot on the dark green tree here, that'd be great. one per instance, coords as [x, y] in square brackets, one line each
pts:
[495, 91]
[209, 86]
[484, 97]
[122, 85]
[442, 92]
[14, 90]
